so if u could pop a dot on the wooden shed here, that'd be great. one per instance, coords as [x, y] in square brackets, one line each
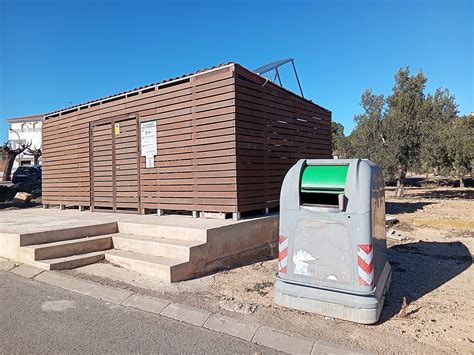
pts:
[218, 140]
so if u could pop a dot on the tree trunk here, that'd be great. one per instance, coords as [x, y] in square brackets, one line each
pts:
[459, 176]
[7, 173]
[36, 154]
[399, 191]
[12, 154]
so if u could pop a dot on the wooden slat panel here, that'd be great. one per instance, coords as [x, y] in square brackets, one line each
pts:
[204, 152]
[101, 166]
[274, 129]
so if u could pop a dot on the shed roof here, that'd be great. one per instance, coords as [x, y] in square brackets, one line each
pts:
[184, 76]
[166, 81]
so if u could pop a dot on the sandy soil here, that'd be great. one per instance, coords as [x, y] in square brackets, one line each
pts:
[435, 203]
[431, 269]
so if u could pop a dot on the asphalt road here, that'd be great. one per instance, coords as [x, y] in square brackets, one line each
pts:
[38, 318]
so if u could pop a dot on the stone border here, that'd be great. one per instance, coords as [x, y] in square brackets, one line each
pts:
[253, 332]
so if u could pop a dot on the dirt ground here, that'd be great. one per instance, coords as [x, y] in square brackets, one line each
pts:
[434, 203]
[431, 269]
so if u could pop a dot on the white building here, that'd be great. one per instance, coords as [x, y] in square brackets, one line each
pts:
[25, 130]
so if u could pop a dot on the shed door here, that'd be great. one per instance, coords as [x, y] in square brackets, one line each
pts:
[101, 168]
[126, 164]
[114, 169]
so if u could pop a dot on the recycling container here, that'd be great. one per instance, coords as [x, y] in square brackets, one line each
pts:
[332, 247]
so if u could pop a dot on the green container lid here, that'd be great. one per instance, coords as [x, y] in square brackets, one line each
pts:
[324, 178]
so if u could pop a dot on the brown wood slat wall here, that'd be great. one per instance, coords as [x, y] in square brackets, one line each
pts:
[195, 166]
[215, 131]
[196, 160]
[102, 166]
[275, 129]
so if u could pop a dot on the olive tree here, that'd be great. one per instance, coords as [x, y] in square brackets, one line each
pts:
[459, 142]
[403, 123]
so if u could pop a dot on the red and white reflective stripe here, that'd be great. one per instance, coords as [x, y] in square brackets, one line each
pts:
[283, 254]
[365, 264]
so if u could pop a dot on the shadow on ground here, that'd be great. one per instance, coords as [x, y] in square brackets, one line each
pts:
[419, 268]
[445, 194]
[404, 207]
[15, 206]
[428, 182]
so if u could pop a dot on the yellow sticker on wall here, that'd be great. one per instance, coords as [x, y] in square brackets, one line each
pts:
[117, 129]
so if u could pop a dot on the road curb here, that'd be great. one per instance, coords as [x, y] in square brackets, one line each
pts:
[256, 333]
[92, 289]
[283, 341]
[186, 314]
[324, 347]
[146, 303]
[26, 271]
[232, 326]
[7, 265]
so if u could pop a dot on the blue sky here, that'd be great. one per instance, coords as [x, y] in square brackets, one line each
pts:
[53, 53]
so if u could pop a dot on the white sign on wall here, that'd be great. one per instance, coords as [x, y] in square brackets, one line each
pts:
[148, 142]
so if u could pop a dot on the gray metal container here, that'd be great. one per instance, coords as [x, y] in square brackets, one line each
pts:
[333, 253]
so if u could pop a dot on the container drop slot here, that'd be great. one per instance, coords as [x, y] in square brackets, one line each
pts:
[323, 185]
[319, 199]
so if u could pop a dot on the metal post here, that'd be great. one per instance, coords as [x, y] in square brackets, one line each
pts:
[278, 76]
[275, 77]
[236, 216]
[297, 79]
[159, 212]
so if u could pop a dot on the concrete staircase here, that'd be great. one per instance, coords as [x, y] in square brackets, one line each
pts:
[154, 254]
[168, 252]
[166, 258]
[66, 248]
[67, 254]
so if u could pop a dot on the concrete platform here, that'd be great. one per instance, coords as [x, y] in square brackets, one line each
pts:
[172, 248]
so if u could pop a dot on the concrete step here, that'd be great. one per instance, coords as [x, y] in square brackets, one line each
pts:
[70, 262]
[163, 231]
[155, 266]
[60, 234]
[168, 248]
[65, 248]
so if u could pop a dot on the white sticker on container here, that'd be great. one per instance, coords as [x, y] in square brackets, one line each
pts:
[301, 266]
